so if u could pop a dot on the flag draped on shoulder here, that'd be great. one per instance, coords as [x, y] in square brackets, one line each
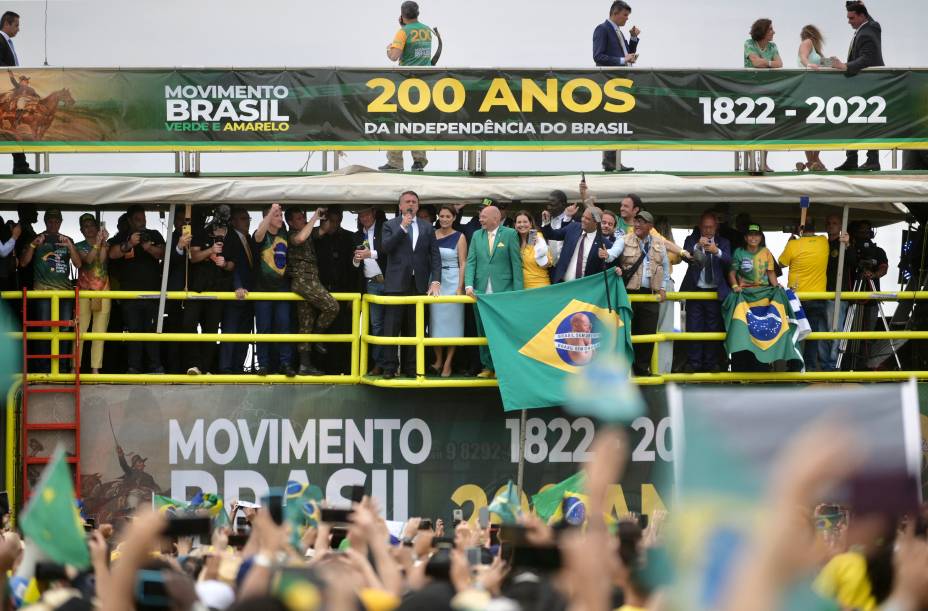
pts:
[540, 337]
[51, 519]
[765, 321]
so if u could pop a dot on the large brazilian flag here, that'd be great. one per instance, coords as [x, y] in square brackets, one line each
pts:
[540, 337]
[761, 321]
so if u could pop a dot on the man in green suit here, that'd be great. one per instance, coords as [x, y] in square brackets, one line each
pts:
[494, 265]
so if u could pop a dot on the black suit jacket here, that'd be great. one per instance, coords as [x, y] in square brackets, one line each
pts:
[866, 48]
[382, 256]
[409, 269]
[570, 234]
[6, 54]
[234, 250]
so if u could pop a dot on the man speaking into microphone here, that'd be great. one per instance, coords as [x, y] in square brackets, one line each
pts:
[413, 268]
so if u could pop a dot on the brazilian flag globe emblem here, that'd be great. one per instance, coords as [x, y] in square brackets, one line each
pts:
[761, 321]
[539, 338]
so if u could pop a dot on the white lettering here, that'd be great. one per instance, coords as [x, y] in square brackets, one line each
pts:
[192, 445]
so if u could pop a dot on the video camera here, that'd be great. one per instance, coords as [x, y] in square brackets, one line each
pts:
[868, 257]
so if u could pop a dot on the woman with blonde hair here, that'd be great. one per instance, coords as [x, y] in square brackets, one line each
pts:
[536, 259]
[811, 57]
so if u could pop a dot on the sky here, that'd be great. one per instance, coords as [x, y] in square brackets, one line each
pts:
[476, 33]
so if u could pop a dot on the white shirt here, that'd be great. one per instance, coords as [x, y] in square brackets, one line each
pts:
[12, 48]
[6, 249]
[554, 246]
[371, 267]
[415, 231]
[570, 273]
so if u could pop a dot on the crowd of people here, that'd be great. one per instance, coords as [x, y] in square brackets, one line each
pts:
[421, 250]
[807, 554]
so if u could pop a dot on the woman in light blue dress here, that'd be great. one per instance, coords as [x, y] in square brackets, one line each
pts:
[811, 57]
[447, 319]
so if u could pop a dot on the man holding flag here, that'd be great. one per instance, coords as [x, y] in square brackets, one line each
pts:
[807, 260]
[494, 265]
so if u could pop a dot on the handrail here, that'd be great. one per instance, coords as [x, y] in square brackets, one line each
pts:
[361, 339]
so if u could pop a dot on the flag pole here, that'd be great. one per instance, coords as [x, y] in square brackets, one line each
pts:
[521, 471]
[840, 275]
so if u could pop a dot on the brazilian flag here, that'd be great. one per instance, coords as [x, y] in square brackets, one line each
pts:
[541, 337]
[548, 504]
[761, 321]
[51, 519]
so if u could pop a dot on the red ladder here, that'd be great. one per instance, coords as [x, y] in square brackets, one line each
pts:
[70, 388]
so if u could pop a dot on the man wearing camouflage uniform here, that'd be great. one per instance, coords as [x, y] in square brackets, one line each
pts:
[318, 308]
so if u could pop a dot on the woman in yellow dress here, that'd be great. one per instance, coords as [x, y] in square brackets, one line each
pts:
[536, 258]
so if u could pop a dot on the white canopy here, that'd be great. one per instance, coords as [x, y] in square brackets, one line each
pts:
[356, 185]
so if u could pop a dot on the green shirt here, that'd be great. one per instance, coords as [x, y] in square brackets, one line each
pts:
[92, 276]
[51, 264]
[415, 40]
[272, 257]
[751, 48]
[751, 268]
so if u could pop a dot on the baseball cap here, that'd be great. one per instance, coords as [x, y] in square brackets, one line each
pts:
[754, 228]
[53, 213]
[645, 216]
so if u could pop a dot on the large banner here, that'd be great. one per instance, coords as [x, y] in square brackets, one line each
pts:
[326, 108]
[422, 452]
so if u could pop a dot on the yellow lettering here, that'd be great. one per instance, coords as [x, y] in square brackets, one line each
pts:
[405, 100]
[650, 500]
[567, 95]
[615, 501]
[613, 90]
[457, 89]
[499, 94]
[380, 103]
[469, 493]
[532, 93]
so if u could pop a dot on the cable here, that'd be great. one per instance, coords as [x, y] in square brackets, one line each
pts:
[46, 32]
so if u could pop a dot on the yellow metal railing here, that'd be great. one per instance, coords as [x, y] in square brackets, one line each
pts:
[361, 339]
[56, 335]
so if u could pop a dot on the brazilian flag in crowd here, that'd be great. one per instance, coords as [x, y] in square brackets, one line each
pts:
[764, 322]
[541, 337]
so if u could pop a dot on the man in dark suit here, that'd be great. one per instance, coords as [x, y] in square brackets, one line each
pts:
[866, 51]
[9, 27]
[413, 268]
[582, 241]
[712, 254]
[369, 254]
[238, 316]
[611, 48]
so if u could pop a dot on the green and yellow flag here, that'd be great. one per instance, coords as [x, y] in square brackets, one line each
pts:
[541, 337]
[51, 519]
[548, 503]
[762, 321]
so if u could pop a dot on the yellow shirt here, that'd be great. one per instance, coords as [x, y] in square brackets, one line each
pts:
[807, 260]
[534, 275]
[844, 580]
[630, 608]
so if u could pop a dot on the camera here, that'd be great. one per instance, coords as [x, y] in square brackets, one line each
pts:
[148, 235]
[868, 257]
[222, 218]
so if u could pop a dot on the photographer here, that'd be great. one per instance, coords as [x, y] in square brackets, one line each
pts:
[53, 254]
[139, 251]
[9, 233]
[210, 271]
[872, 265]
